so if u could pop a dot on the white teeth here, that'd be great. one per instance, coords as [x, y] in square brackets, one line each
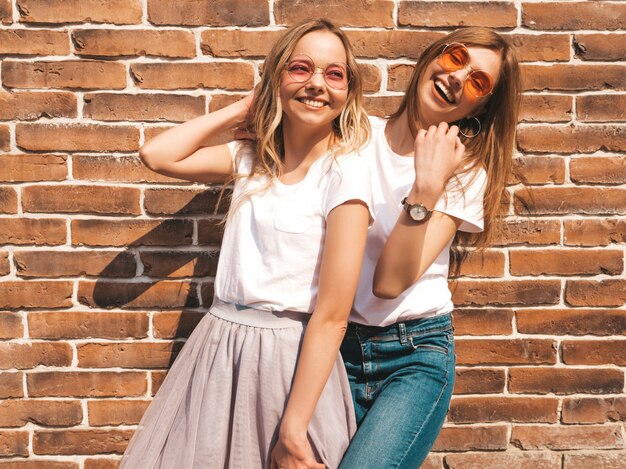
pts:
[310, 102]
[442, 86]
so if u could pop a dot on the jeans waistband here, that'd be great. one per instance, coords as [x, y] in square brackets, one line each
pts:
[399, 330]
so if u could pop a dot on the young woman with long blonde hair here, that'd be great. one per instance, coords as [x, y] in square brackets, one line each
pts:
[259, 382]
[439, 167]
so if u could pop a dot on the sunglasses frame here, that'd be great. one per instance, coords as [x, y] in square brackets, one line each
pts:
[322, 70]
[465, 66]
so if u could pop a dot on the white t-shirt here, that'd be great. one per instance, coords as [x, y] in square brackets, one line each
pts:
[272, 247]
[392, 176]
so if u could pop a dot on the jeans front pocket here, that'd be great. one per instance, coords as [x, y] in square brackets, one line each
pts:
[437, 341]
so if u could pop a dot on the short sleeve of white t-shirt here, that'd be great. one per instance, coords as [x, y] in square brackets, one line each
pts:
[273, 240]
[392, 176]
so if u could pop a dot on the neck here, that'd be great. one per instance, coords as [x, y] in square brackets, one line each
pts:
[399, 137]
[304, 144]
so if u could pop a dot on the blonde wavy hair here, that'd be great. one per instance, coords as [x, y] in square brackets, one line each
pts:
[350, 130]
[492, 149]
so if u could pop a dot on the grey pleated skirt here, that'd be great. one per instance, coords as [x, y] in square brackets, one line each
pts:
[221, 403]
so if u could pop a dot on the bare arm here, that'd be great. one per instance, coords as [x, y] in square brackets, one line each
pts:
[346, 232]
[412, 246]
[177, 152]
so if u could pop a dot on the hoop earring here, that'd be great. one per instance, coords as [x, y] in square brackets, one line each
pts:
[469, 128]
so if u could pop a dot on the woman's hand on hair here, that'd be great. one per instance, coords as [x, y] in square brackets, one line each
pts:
[438, 154]
[244, 131]
[294, 455]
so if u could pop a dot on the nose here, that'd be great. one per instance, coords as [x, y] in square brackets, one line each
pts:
[317, 79]
[458, 77]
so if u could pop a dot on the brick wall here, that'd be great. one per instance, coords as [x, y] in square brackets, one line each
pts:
[106, 267]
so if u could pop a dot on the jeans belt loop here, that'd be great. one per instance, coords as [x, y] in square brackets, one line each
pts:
[402, 331]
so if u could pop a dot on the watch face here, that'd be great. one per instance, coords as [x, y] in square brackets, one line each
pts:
[418, 212]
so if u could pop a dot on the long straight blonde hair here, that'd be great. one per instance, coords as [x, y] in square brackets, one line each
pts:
[492, 149]
[350, 130]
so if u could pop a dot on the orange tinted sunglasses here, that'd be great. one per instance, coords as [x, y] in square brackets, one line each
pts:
[455, 57]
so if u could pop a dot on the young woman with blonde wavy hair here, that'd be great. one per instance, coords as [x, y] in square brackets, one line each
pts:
[260, 382]
[439, 167]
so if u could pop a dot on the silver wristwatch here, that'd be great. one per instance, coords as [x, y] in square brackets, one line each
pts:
[417, 212]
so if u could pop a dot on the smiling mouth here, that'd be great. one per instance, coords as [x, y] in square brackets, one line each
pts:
[444, 91]
[313, 102]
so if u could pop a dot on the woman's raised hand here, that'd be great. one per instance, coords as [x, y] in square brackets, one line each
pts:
[438, 153]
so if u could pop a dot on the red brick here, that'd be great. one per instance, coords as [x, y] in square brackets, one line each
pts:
[565, 380]
[208, 12]
[164, 294]
[537, 170]
[503, 409]
[8, 200]
[594, 352]
[6, 12]
[488, 263]
[35, 294]
[565, 438]
[456, 14]
[143, 107]
[598, 170]
[34, 42]
[505, 351]
[219, 101]
[491, 438]
[207, 292]
[80, 11]
[210, 232]
[5, 137]
[574, 15]
[41, 231]
[33, 354]
[101, 463]
[172, 76]
[500, 460]
[578, 77]
[381, 106]
[17, 413]
[74, 74]
[566, 262]
[483, 321]
[118, 412]
[594, 410]
[29, 168]
[542, 47]
[170, 325]
[529, 232]
[223, 137]
[156, 380]
[594, 232]
[398, 77]
[566, 200]
[479, 381]
[132, 232]
[134, 42]
[237, 42]
[546, 108]
[72, 442]
[86, 384]
[571, 321]
[131, 355]
[177, 264]
[567, 139]
[492, 292]
[11, 384]
[607, 47]
[13, 443]
[601, 108]
[432, 461]
[5, 268]
[37, 464]
[81, 325]
[180, 201]
[604, 460]
[371, 78]
[11, 326]
[609, 292]
[26, 105]
[101, 200]
[114, 169]
[377, 13]
[74, 263]
[77, 137]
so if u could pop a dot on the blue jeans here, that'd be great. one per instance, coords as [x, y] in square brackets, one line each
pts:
[401, 377]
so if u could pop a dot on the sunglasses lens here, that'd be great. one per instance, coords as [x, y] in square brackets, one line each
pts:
[454, 57]
[479, 83]
[336, 75]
